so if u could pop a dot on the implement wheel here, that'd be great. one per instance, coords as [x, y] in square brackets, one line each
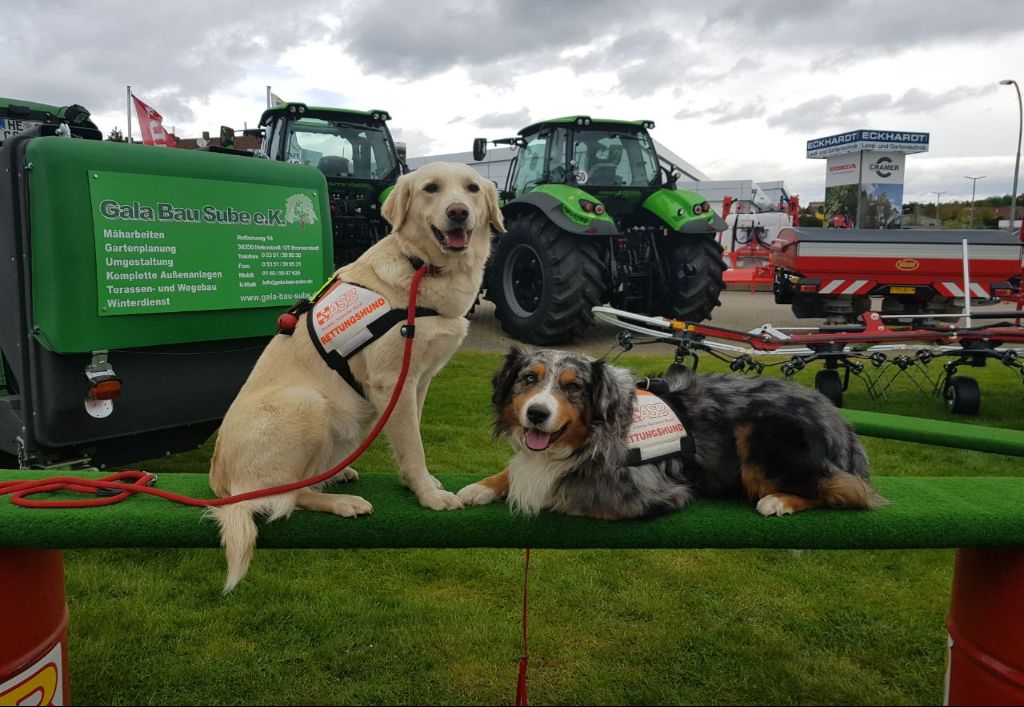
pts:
[827, 383]
[962, 395]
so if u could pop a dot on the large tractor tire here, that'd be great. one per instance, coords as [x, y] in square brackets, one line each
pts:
[695, 268]
[544, 281]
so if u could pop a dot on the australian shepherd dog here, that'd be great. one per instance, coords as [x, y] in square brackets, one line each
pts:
[590, 442]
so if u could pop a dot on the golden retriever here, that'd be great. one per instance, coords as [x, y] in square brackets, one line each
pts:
[296, 417]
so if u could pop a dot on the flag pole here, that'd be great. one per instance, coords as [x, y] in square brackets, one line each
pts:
[129, 113]
[268, 98]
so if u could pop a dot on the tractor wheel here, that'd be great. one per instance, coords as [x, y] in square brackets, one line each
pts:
[828, 384]
[695, 269]
[963, 397]
[544, 281]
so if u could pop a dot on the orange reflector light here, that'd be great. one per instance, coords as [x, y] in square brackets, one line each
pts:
[105, 390]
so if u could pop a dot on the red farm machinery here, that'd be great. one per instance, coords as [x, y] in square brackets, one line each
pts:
[936, 291]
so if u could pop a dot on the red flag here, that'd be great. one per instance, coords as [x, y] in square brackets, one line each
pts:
[151, 125]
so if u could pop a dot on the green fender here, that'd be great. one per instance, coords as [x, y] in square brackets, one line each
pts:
[561, 204]
[675, 208]
[384, 194]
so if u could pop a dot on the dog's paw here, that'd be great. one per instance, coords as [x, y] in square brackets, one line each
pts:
[773, 505]
[431, 480]
[347, 474]
[350, 506]
[440, 500]
[477, 495]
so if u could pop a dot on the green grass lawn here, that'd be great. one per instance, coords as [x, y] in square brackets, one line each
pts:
[442, 626]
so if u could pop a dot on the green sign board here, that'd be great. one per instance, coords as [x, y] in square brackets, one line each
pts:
[176, 244]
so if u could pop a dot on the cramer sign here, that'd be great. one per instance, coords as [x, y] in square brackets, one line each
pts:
[877, 140]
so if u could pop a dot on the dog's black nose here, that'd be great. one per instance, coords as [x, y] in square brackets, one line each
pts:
[458, 212]
[537, 414]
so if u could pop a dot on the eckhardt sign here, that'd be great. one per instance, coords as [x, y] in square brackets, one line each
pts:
[879, 140]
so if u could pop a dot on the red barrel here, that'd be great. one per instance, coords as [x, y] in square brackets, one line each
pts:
[986, 629]
[33, 628]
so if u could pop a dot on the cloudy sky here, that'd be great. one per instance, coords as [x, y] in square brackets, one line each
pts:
[737, 90]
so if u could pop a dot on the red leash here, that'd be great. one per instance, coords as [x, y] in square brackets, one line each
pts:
[110, 489]
[525, 659]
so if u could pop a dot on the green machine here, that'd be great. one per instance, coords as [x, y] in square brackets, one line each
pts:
[138, 287]
[357, 155]
[594, 216]
[17, 116]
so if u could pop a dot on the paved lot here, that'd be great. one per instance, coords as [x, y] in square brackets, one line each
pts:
[740, 309]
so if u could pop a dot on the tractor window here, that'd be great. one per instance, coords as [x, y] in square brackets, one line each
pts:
[530, 164]
[340, 150]
[614, 158]
[556, 157]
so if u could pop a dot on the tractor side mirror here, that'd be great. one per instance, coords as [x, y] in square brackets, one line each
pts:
[402, 152]
[227, 136]
[479, 148]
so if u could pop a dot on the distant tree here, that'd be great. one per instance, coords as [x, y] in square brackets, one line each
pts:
[811, 219]
[116, 135]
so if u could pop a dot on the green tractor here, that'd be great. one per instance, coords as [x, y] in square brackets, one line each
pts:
[594, 216]
[357, 155]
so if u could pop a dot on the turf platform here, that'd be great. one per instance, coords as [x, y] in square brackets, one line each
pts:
[937, 512]
[939, 433]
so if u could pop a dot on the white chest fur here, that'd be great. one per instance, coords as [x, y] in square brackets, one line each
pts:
[531, 476]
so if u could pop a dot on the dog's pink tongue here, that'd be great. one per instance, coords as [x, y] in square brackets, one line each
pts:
[536, 440]
[456, 238]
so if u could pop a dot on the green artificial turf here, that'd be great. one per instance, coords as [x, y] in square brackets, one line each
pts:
[924, 512]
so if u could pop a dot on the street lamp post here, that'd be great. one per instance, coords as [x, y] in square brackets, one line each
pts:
[1016, 167]
[938, 214]
[974, 183]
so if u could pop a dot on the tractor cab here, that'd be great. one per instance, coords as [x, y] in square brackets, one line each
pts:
[614, 160]
[356, 154]
[343, 144]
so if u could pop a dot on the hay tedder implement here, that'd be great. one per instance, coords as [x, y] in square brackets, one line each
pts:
[876, 351]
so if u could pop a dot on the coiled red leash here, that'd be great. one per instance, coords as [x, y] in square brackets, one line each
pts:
[111, 489]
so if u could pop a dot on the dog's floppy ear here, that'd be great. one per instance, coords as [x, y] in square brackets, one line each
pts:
[506, 376]
[612, 392]
[396, 206]
[493, 210]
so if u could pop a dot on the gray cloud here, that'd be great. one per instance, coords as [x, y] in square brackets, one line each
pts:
[66, 52]
[413, 39]
[511, 121]
[650, 44]
[725, 112]
[417, 142]
[868, 29]
[836, 111]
